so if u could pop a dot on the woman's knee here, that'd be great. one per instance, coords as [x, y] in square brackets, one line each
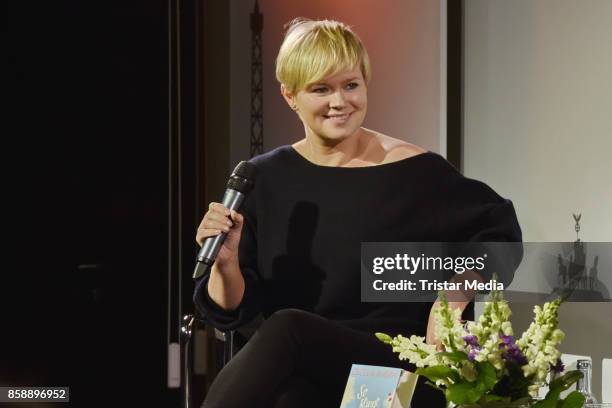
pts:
[287, 329]
[289, 320]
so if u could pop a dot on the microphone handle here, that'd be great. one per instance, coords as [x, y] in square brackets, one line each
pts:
[232, 200]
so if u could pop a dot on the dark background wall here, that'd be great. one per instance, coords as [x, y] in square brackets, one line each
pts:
[84, 298]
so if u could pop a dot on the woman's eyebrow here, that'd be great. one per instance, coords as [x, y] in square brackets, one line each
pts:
[356, 78]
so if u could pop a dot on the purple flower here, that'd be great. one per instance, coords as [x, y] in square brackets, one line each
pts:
[473, 352]
[558, 367]
[512, 353]
[471, 340]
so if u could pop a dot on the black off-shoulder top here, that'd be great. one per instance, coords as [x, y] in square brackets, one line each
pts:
[304, 224]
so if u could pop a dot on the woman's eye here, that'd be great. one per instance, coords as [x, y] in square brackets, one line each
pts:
[319, 90]
[352, 85]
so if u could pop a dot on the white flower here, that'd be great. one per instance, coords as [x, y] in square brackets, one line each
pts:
[493, 322]
[539, 342]
[415, 350]
[487, 340]
[533, 390]
[495, 318]
[506, 328]
[449, 328]
[557, 336]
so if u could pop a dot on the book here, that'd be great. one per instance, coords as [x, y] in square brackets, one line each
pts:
[378, 387]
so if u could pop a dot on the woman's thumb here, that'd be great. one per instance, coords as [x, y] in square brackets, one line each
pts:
[237, 218]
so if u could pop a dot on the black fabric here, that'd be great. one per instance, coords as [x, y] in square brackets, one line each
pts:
[301, 242]
[300, 360]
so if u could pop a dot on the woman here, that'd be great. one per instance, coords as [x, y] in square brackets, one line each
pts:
[294, 252]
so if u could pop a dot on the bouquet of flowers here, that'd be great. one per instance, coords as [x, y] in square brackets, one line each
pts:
[483, 365]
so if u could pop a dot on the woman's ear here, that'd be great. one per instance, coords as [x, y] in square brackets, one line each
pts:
[289, 97]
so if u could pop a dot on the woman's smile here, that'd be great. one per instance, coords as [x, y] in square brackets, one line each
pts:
[338, 118]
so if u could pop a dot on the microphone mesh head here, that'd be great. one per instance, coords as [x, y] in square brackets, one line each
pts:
[245, 170]
[243, 177]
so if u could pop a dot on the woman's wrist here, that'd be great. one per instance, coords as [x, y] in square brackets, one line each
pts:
[226, 286]
[230, 263]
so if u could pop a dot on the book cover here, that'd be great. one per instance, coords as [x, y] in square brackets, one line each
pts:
[378, 387]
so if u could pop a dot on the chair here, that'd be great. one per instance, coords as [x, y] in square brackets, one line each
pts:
[232, 341]
[227, 338]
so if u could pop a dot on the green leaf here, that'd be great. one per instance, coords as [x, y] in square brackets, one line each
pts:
[550, 401]
[385, 338]
[566, 380]
[521, 402]
[493, 397]
[438, 372]
[557, 386]
[454, 356]
[495, 401]
[487, 377]
[463, 393]
[573, 400]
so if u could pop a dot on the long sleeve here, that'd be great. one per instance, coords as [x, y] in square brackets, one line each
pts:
[499, 224]
[212, 313]
[503, 236]
[488, 226]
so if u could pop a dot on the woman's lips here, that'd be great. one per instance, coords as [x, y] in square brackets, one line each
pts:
[338, 118]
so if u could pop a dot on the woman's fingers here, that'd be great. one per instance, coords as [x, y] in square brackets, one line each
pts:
[237, 218]
[218, 207]
[218, 219]
[204, 233]
[215, 221]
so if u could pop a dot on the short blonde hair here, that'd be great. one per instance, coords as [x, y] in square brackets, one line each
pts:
[313, 50]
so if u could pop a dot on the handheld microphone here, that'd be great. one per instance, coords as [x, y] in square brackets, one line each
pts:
[238, 186]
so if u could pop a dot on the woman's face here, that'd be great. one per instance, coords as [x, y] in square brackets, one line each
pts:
[333, 108]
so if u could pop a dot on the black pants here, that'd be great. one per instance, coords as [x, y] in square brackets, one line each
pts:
[298, 359]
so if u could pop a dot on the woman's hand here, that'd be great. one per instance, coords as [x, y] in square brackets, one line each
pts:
[218, 219]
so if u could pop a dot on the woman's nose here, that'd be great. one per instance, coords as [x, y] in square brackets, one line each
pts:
[337, 100]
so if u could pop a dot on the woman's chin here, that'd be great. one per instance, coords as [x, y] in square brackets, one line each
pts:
[339, 134]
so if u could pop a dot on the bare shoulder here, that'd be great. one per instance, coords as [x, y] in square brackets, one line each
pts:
[300, 146]
[396, 149]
